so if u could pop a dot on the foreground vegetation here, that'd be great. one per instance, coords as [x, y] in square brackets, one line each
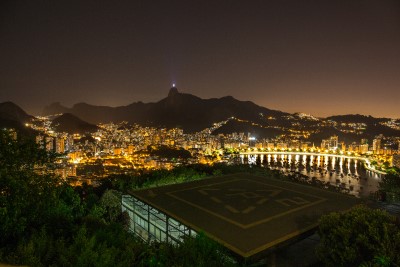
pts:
[46, 222]
[360, 237]
[389, 187]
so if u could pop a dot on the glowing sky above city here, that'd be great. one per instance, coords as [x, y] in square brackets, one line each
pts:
[322, 57]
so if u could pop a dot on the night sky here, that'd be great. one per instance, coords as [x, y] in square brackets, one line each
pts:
[319, 57]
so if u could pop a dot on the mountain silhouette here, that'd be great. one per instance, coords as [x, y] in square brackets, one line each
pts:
[13, 116]
[185, 111]
[71, 124]
[11, 111]
[193, 114]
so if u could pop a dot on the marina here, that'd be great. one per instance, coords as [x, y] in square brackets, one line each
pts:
[352, 174]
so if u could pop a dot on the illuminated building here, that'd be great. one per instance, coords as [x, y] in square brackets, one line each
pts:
[364, 141]
[117, 151]
[331, 143]
[66, 171]
[69, 143]
[259, 145]
[60, 145]
[270, 145]
[363, 148]
[40, 140]
[252, 141]
[295, 144]
[376, 145]
[281, 145]
[305, 145]
[131, 149]
[354, 147]
[334, 141]
[75, 156]
[49, 143]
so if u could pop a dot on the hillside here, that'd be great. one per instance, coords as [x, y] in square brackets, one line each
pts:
[13, 116]
[71, 124]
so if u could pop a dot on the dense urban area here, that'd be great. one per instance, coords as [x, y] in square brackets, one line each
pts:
[120, 148]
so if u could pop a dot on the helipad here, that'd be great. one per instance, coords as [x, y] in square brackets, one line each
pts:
[248, 214]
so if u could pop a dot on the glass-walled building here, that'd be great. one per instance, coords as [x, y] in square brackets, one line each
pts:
[245, 213]
[150, 224]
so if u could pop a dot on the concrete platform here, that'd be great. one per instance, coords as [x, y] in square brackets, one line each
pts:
[247, 214]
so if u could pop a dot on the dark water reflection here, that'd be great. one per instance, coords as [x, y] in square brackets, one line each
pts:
[339, 171]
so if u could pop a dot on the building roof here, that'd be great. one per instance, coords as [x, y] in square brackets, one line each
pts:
[246, 213]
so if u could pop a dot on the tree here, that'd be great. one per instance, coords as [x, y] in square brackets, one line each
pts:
[390, 184]
[111, 203]
[194, 251]
[33, 202]
[28, 192]
[359, 236]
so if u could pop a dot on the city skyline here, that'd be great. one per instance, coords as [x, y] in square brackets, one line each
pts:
[322, 58]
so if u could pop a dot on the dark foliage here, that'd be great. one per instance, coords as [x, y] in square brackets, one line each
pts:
[360, 237]
[167, 152]
[44, 222]
[390, 185]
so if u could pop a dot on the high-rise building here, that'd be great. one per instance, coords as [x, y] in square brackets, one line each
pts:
[363, 148]
[40, 140]
[49, 143]
[252, 141]
[60, 145]
[324, 144]
[334, 141]
[331, 143]
[270, 145]
[354, 147]
[343, 146]
[376, 145]
[364, 141]
[69, 143]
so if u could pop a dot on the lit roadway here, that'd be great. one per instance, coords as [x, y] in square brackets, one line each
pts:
[367, 164]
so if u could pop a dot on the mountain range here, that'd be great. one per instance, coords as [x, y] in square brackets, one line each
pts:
[193, 114]
[185, 111]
